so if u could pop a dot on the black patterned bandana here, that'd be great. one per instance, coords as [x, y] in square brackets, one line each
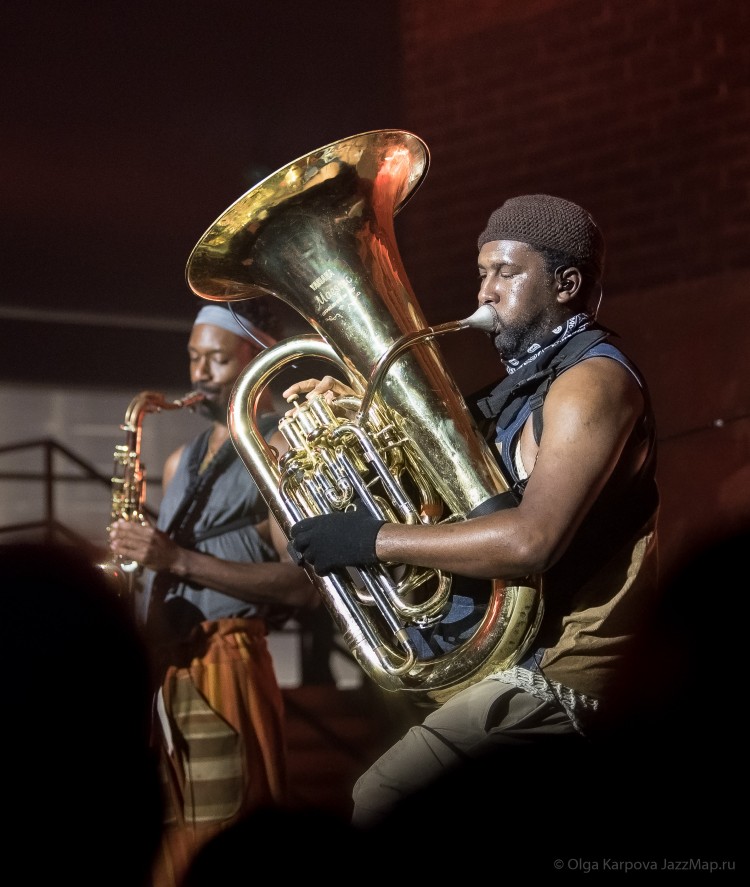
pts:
[552, 342]
[526, 374]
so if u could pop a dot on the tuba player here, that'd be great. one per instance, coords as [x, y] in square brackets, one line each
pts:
[573, 430]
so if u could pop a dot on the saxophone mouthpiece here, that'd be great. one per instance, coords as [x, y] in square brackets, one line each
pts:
[484, 318]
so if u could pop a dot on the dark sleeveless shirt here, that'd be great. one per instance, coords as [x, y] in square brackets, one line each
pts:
[598, 594]
[610, 522]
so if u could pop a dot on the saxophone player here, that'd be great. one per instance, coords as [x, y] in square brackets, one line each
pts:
[216, 574]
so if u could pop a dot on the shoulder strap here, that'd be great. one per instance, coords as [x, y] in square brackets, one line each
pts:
[193, 458]
[220, 529]
[199, 486]
[192, 504]
[537, 414]
[507, 398]
[570, 354]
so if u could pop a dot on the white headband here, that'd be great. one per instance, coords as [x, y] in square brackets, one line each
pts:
[223, 317]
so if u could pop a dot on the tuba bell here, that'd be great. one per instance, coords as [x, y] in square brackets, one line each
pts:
[319, 235]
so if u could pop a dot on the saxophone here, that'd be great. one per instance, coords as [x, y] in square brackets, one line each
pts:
[129, 478]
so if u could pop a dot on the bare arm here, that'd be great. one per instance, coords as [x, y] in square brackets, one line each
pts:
[170, 466]
[281, 583]
[588, 415]
[260, 583]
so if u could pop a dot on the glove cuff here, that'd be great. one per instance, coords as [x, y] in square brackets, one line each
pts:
[363, 545]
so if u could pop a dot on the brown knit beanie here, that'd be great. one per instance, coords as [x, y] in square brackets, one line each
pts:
[545, 221]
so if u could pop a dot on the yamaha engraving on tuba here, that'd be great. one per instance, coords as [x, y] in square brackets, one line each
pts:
[319, 235]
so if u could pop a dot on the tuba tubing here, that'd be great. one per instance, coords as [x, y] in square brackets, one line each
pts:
[318, 234]
[513, 613]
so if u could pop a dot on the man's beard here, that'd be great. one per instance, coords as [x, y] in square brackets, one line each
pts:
[514, 340]
[215, 410]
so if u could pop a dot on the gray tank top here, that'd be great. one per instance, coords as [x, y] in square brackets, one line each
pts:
[230, 499]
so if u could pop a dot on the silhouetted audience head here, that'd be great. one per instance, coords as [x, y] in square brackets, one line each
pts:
[299, 842]
[82, 782]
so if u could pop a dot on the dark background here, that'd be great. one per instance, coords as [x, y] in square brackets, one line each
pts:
[128, 128]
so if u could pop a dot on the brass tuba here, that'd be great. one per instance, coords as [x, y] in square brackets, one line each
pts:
[128, 483]
[319, 235]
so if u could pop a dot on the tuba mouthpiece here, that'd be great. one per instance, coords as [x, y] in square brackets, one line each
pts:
[484, 318]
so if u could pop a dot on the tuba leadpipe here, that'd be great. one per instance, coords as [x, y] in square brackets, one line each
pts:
[318, 234]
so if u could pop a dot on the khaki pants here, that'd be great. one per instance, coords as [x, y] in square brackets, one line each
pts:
[472, 724]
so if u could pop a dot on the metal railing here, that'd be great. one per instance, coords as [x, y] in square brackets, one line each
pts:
[314, 636]
[48, 525]
[317, 641]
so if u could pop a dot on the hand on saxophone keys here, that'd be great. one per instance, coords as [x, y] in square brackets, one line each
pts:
[142, 543]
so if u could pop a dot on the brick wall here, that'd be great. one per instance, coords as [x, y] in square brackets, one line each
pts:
[640, 111]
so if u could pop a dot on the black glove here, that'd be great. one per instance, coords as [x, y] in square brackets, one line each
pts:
[333, 541]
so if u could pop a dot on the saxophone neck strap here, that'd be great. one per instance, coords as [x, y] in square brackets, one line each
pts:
[199, 485]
